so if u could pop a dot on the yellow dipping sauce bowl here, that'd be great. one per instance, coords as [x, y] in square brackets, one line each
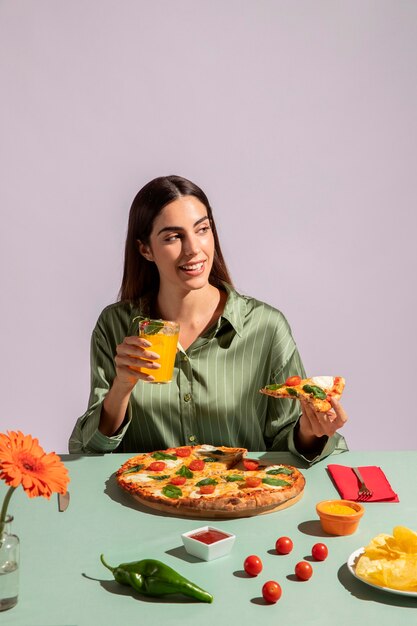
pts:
[339, 517]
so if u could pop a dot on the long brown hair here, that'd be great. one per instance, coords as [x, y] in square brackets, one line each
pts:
[140, 276]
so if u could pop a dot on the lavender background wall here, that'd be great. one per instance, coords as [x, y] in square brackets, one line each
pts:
[299, 121]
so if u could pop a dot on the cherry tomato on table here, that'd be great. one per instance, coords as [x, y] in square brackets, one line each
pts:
[319, 551]
[253, 565]
[250, 464]
[284, 545]
[271, 591]
[303, 570]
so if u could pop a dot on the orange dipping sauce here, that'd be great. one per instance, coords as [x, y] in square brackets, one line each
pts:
[209, 536]
[338, 509]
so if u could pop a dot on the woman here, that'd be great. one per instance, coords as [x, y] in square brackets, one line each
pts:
[230, 346]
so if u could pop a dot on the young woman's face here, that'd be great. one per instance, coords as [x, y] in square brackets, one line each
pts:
[182, 244]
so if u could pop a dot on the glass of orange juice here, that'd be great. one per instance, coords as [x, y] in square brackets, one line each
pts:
[163, 336]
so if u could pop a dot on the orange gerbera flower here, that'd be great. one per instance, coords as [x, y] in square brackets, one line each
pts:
[24, 462]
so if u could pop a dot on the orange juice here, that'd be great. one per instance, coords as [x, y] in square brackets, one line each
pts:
[163, 335]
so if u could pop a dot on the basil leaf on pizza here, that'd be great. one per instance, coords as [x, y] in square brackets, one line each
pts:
[315, 391]
[234, 478]
[184, 471]
[275, 482]
[206, 481]
[134, 469]
[172, 491]
[292, 392]
[162, 456]
[279, 470]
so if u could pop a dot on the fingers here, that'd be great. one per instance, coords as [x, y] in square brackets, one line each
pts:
[131, 356]
[320, 424]
[133, 352]
[339, 410]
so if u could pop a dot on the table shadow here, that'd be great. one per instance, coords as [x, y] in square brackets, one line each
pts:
[181, 553]
[286, 458]
[111, 586]
[362, 591]
[312, 528]
[115, 493]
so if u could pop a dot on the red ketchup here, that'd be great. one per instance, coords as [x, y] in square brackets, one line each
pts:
[209, 536]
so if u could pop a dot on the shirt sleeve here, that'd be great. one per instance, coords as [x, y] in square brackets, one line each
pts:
[86, 438]
[283, 416]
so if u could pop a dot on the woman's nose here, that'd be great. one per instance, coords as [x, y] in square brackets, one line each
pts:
[191, 245]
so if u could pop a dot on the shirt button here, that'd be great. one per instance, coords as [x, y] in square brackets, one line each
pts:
[192, 438]
[187, 397]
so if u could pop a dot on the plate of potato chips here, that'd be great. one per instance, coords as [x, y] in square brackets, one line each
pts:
[388, 562]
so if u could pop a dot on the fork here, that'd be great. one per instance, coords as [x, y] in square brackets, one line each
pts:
[363, 493]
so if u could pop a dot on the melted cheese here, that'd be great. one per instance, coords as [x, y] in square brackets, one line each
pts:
[325, 382]
[172, 463]
[139, 478]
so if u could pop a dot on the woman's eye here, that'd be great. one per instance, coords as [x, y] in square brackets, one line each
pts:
[204, 230]
[172, 237]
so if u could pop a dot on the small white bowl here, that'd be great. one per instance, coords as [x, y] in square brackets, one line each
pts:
[208, 551]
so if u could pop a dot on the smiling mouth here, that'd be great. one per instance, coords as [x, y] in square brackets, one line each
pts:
[192, 267]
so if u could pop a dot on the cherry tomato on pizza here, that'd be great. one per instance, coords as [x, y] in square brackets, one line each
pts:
[253, 481]
[250, 464]
[156, 466]
[197, 465]
[284, 545]
[178, 480]
[303, 570]
[293, 381]
[319, 551]
[183, 452]
[271, 591]
[253, 565]
[207, 488]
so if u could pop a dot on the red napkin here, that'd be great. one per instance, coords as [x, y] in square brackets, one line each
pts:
[375, 479]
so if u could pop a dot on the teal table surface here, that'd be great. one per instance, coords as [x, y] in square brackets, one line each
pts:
[63, 583]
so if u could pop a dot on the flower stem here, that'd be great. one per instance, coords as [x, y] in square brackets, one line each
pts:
[6, 501]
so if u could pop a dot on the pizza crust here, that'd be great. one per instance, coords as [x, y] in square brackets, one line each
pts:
[218, 514]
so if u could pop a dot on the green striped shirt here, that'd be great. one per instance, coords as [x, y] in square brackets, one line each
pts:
[214, 395]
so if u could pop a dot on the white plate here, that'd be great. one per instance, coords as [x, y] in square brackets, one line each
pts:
[351, 566]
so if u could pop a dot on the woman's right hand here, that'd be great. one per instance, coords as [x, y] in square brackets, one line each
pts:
[131, 355]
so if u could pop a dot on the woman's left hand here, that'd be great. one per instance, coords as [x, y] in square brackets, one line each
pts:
[314, 424]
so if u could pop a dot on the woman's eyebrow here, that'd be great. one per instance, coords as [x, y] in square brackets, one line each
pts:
[171, 228]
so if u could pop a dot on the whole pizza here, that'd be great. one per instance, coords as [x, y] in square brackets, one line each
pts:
[208, 481]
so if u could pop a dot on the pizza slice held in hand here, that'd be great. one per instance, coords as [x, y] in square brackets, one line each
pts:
[316, 390]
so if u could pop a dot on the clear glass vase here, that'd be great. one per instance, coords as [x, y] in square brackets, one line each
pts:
[9, 567]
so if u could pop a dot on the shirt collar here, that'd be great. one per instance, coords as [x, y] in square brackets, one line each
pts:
[235, 309]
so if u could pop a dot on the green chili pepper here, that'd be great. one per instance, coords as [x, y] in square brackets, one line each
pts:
[153, 578]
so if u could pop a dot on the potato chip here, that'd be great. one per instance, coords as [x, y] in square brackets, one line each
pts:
[390, 560]
[406, 539]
